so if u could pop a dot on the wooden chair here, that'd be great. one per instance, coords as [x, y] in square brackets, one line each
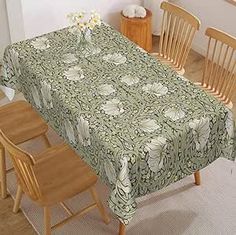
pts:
[20, 123]
[57, 175]
[178, 30]
[219, 76]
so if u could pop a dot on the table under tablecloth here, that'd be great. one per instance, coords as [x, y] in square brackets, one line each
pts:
[137, 123]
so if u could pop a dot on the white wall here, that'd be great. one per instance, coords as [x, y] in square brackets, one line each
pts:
[212, 13]
[15, 20]
[48, 15]
[4, 29]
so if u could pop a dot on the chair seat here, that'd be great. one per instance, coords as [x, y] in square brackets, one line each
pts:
[20, 122]
[62, 174]
[168, 62]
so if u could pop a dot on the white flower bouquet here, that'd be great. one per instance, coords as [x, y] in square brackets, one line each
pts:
[83, 26]
[85, 22]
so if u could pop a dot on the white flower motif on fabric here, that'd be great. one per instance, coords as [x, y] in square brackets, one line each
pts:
[110, 172]
[41, 43]
[74, 74]
[69, 58]
[129, 80]
[155, 149]
[36, 97]
[15, 62]
[121, 196]
[115, 58]
[149, 125]
[69, 131]
[229, 124]
[113, 107]
[83, 131]
[201, 131]
[174, 114]
[123, 182]
[106, 89]
[156, 89]
[46, 94]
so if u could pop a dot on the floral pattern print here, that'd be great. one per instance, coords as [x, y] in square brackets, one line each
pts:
[46, 95]
[135, 121]
[113, 107]
[74, 30]
[156, 89]
[130, 80]
[41, 43]
[110, 172]
[122, 190]
[115, 58]
[106, 89]
[174, 114]
[230, 124]
[149, 125]
[83, 132]
[201, 131]
[141, 49]
[36, 97]
[13, 71]
[69, 58]
[155, 149]
[74, 73]
[69, 131]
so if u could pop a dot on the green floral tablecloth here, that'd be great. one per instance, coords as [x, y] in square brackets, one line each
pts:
[137, 123]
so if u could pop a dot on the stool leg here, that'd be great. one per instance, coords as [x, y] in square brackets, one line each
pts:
[3, 172]
[197, 178]
[122, 229]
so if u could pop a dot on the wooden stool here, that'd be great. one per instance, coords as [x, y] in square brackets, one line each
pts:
[138, 30]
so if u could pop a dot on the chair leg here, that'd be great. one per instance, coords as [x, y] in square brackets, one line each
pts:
[18, 199]
[121, 229]
[46, 141]
[47, 221]
[3, 172]
[197, 178]
[101, 209]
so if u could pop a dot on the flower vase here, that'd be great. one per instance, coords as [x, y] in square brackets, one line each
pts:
[85, 44]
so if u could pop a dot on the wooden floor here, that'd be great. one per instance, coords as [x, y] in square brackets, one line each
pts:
[17, 224]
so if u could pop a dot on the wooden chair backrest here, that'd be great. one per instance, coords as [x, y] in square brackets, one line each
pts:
[178, 30]
[23, 164]
[220, 64]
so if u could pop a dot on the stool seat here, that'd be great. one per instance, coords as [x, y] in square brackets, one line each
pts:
[138, 30]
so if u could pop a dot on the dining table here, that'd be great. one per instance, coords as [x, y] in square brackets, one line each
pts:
[134, 120]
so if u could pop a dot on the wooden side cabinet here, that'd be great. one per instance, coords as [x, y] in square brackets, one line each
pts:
[138, 30]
